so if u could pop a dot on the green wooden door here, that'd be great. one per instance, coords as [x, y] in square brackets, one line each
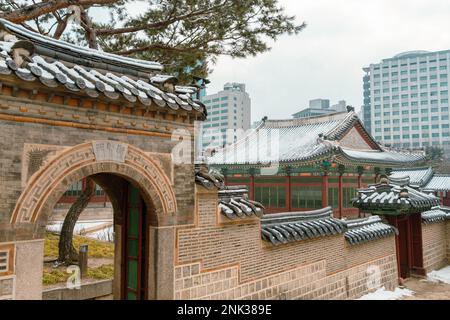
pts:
[134, 253]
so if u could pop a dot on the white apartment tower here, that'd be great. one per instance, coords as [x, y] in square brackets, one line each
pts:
[406, 100]
[229, 115]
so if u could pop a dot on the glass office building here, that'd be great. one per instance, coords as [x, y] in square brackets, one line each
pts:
[406, 100]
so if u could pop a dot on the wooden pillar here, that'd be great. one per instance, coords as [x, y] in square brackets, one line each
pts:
[360, 175]
[377, 173]
[252, 183]
[341, 170]
[225, 173]
[325, 189]
[289, 189]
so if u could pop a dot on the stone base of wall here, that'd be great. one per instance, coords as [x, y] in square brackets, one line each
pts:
[99, 290]
[304, 282]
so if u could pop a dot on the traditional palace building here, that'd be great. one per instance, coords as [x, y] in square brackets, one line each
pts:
[305, 164]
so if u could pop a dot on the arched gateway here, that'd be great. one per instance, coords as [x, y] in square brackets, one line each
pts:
[136, 185]
[68, 113]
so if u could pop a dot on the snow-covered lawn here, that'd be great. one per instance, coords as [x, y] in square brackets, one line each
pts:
[81, 228]
[383, 294]
[442, 275]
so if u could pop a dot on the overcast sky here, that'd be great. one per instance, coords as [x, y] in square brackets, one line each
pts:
[326, 59]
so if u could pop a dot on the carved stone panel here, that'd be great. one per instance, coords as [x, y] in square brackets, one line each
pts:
[110, 151]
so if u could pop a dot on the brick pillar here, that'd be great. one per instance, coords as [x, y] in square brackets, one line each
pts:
[341, 170]
[325, 189]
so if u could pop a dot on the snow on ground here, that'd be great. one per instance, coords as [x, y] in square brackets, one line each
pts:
[105, 234]
[383, 294]
[442, 275]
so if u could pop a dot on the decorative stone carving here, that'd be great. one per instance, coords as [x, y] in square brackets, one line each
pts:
[153, 179]
[110, 150]
[34, 157]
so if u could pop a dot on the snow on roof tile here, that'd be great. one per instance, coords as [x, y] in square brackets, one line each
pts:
[302, 140]
[394, 197]
[367, 229]
[283, 228]
[439, 182]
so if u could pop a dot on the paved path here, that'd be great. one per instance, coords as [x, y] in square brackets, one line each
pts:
[425, 290]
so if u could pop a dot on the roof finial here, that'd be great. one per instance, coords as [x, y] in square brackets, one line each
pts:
[350, 109]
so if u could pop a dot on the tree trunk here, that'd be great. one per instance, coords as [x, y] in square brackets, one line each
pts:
[67, 252]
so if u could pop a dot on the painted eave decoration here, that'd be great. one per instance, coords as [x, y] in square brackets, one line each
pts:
[34, 58]
[283, 228]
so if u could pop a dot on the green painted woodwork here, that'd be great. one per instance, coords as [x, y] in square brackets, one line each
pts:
[348, 195]
[306, 197]
[306, 180]
[271, 197]
[270, 180]
[133, 248]
[133, 226]
[333, 197]
[133, 275]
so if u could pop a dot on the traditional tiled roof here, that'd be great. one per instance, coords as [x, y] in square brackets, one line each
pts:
[418, 177]
[233, 200]
[434, 215]
[388, 196]
[234, 203]
[367, 229]
[32, 57]
[439, 182]
[308, 140]
[282, 228]
[209, 178]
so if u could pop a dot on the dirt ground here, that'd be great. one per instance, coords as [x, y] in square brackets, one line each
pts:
[426, 290]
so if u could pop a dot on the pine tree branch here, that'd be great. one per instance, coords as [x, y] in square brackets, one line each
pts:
[91, 35]
[159, 24]
[36, 10]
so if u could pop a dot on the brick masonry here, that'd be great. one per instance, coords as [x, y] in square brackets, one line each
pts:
[18, 135]
[228, 260]
[435, 246]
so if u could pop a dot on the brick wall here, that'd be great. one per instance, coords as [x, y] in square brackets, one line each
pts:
[220, 259]
[435, 246]
[16, 134]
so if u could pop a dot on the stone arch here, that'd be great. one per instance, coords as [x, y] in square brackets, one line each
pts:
[49, 183]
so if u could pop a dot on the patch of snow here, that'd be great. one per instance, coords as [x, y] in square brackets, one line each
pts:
[383, 294]
[442, 275]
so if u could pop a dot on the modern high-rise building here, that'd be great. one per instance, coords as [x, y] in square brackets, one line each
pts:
[320, 107]
[229, 115]
[406, 100]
